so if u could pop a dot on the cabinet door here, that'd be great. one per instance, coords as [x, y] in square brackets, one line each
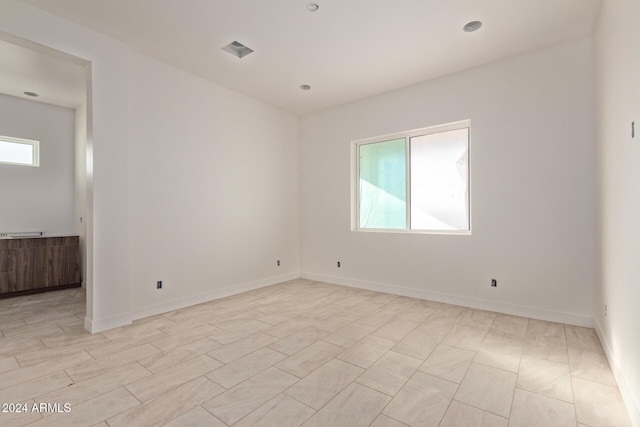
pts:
[30, 269]
[63, 265]
[7, 270]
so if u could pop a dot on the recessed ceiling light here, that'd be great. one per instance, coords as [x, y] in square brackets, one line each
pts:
[305, 87]
[237, 49]
[472, 26]
[31, 94]
[313, 7]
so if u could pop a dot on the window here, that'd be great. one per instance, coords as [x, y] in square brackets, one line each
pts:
[414, 181]
[18, 151]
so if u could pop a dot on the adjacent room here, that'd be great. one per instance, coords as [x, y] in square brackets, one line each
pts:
[319, 213]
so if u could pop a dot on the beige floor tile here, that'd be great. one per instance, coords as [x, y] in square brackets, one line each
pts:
[367, 351]
[541, 328]
[487, 388]
[241, 369]
[510, 328]
[418, 344]
[92, 411]
[500, 354]
[197, 417]
[168, 343]
[161, 361]
[298, 340]
[281, 411]
[80, 392]
[285, 329]
[449, 363]
[17, 419]
[395, 330]
[599, 405]
[242, 330]
[10, 347]
[422, 401]
[30, 389]
[309, 359]
[121, 344]
[546, 347]
[592, 366]
[242, 347]
[324, 383]
[244, 398]
[349, 335]
[21, 375]
[438, 324]
[390, 373]
[384, 421]
[168, 406]
[461, 415]
[334, 322]
[47, 354]
[355, 406]
[545, 377]
[324, 335]
[583, 338]
[379, 319]
[81, 338]
[478, 319]
[140, 327]
[8, 363]
[535, 410]
[36, 330]
[160, 382]
[465, 337]
[91, 368]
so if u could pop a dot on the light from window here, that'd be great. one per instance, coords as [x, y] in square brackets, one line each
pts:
[416, 181]
[18, 151]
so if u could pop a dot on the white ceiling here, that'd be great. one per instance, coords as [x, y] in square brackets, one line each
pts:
[347, 50]
[55, 78]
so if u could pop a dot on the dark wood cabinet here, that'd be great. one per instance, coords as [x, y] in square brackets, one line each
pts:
[29, 265]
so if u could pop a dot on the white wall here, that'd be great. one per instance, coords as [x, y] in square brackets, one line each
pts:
[107, 144]
[213, 189]
[208, 201]
[532, 189]
[80, 185]
[38, 198]
[618, 41]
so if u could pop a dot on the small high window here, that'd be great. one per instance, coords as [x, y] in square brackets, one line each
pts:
[414, 181]
[17, 151]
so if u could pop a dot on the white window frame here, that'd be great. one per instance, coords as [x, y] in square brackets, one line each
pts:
[35, 155]
[355, 177]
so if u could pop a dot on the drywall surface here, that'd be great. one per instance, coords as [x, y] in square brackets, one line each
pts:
[532, 173]
[38, 198]
[213, 189]
[107, 272]
[618, 92]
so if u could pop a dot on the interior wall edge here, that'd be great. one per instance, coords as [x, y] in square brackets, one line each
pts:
[477, 303]
[633, 407]
[101, 325]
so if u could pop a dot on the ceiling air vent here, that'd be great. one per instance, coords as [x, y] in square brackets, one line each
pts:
[237, 49]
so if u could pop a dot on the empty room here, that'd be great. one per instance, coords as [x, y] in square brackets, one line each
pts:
[330, 213]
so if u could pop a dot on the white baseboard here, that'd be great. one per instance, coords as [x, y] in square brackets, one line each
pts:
[500, 307]
[633, 407]
[152, 310]
[100, 325]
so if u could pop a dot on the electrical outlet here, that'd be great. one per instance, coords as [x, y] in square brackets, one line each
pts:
[338, 264]
[159, 284]
[494, 283]
[278, 263]
[605, 310]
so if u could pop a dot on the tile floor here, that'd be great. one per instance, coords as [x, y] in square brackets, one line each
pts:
[302, 353]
